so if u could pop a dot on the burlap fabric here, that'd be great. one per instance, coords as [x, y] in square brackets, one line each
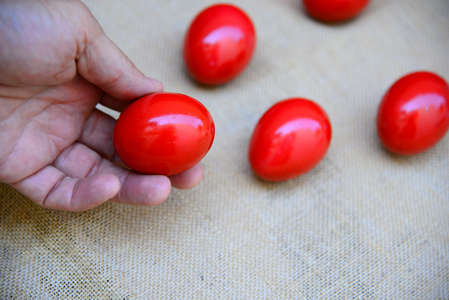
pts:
[364, 224]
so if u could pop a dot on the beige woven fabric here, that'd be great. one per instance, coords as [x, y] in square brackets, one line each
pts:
[364, 224]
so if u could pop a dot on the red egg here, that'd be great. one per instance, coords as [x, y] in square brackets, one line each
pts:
[413, 115]
[163, 134]
[334, 10]
[290, 139]
[219, 44]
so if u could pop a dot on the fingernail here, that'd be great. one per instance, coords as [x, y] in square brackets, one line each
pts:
[156, 83]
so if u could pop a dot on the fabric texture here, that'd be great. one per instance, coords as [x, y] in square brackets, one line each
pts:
[364, 224]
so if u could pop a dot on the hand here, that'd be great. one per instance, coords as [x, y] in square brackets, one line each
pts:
[56, 64]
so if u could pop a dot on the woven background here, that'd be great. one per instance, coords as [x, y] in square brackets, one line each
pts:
[364, 224]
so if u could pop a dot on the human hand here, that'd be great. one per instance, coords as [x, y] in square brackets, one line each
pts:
[56, 64]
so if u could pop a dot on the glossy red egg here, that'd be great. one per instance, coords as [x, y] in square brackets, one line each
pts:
[290, 139]
[219, 44]
[163, 134]
[413, 115]
[334, 10]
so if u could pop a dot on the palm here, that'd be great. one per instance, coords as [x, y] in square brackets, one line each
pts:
[55, 119]
[55, 138]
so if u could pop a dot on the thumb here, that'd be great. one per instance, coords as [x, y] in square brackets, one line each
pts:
[102, 63]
